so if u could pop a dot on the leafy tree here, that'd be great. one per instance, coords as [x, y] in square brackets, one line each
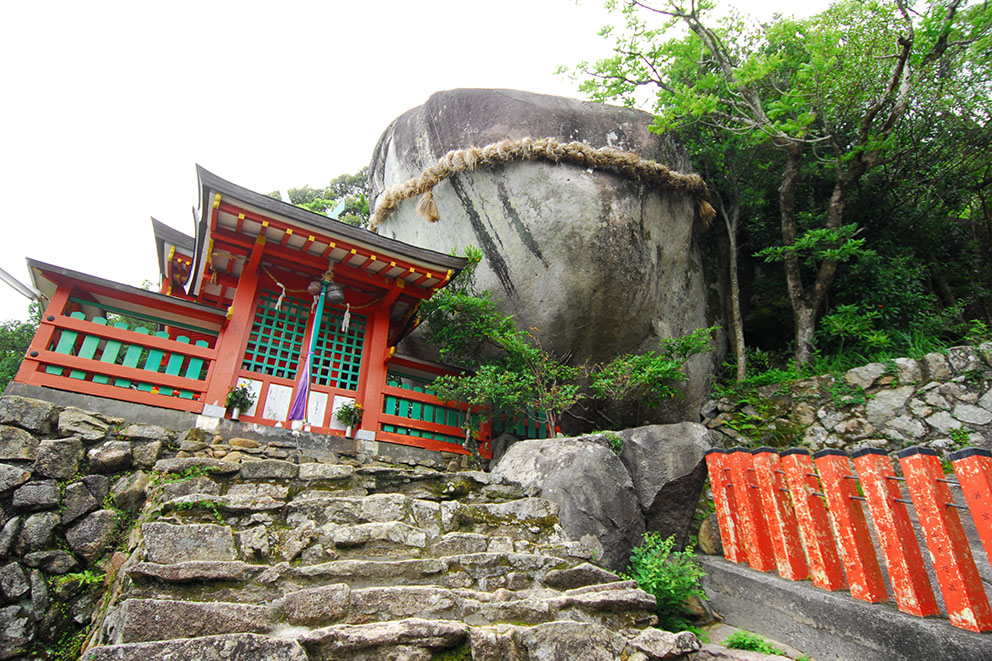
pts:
[15, 338]
[352, 189]
[512, 373]
[825, 95]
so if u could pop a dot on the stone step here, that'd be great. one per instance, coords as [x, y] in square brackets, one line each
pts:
[588, 641]
[618, 605]
[414, 639]
[144, 620]
[229, 647]
[238, 581]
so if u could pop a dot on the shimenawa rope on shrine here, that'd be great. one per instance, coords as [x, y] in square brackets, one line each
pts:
[611, 159]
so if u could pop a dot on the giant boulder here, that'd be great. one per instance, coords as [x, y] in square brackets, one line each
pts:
[600, 264]
[590, 484]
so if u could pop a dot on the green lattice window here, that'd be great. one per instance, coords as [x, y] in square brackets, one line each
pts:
[338, 358]
[276, 336]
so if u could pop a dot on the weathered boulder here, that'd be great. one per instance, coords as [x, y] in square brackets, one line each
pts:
[598, 263]
[596, 495]
[667, 466]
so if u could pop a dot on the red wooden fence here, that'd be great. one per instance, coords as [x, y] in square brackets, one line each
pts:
[805, 516]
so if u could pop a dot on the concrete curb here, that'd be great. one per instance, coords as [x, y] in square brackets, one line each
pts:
[832, 625]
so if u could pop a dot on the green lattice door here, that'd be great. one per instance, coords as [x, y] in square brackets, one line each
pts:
[276, 338]
[337, 361]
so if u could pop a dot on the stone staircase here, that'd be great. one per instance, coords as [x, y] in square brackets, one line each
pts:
[275, 560]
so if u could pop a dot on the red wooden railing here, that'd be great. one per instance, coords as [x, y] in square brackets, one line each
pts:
[88, 356]
[803, 516]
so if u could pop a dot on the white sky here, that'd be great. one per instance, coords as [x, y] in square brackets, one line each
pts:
[105, 107]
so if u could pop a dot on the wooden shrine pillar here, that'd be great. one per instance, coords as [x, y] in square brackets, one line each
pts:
[372, 379]
[233, 336]
[43, 336]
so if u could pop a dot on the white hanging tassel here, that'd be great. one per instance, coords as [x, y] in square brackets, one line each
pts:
[347, 318]
[281, 296]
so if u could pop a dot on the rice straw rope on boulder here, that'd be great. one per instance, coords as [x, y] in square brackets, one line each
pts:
[610, 159]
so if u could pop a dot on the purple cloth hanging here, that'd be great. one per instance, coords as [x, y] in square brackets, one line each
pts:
[298, 411]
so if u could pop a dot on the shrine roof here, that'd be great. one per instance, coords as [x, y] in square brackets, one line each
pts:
[308, 221]
[117, 297]
[165, 236]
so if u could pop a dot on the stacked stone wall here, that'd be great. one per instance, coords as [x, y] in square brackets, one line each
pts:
[941, 401]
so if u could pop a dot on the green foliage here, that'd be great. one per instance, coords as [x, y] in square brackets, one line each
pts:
[350, 414]
[844, 394]
[752, 642]
[616, 442]
[202, 504]
[671, 576]
[961, 436]
[512, 373]
[651, 377]
[900, 168]
[351, 189]
[85, 579]
[15, 338]
[240, 397]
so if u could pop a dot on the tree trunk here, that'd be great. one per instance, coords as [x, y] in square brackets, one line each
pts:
[803, 318]
[731, 221]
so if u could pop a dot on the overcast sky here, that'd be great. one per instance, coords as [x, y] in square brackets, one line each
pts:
[105, 107]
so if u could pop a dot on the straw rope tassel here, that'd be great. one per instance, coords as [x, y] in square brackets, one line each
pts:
[624, 163]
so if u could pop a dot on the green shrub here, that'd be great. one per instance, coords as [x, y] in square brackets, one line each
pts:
[752, 642]
[671, 576]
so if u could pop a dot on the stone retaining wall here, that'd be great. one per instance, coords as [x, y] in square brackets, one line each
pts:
[942, 401]
[72, 484]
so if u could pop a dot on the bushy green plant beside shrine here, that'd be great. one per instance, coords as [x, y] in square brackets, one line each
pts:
[513, 374]
[671, 576]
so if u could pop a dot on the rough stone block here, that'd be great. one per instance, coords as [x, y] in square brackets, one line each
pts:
[129, 491]
[13, 583]
[59, 459]
[142, 620]
[73, 421]
[78, 501]
[146, 454]
[93, 534]
[34, 496]
[142, 432]
[52, 561]
[37, 532]
[315, 471]
[236, 647]
[973, 415]
[269, 469]
[110, 457]
[323, 605]
[11, 476]
[16, 443]
[32, 414]
[166, 543]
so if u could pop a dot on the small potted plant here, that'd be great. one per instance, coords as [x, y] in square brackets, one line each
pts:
[239, 398]
[350, 415]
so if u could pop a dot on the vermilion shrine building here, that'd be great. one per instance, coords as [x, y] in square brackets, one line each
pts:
[233, 308]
